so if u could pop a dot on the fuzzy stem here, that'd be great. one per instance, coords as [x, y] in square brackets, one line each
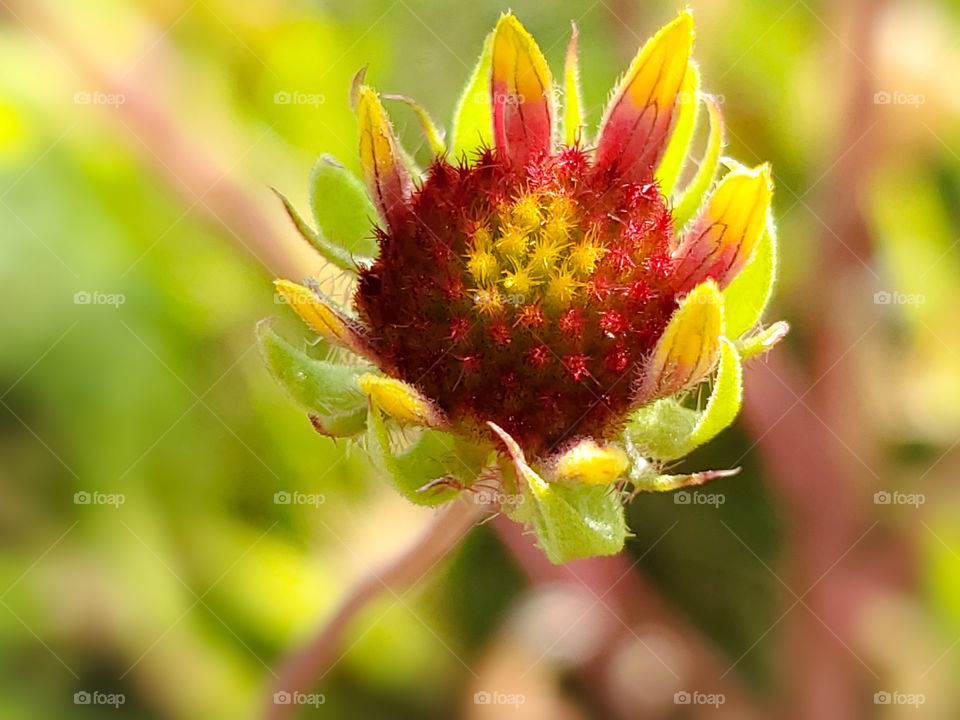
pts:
[305, 667]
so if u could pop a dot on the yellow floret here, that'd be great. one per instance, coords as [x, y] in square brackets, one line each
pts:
[562, 288]
[525, 212]
[484, 267]
[584, 256]
[512, 242]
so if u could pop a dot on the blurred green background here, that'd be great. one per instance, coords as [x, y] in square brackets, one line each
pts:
[138, 142]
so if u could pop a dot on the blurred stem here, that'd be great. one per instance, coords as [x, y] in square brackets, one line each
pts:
[304, 668]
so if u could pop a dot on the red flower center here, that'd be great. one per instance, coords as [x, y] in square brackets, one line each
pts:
[524, 297]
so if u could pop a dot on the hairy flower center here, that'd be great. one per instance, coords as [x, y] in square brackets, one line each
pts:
[527, 297]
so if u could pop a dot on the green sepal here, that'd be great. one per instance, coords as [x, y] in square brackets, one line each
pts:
[666, 430]
[326, 390]
[576, 520]
[570, 519]
[679, 146]
[692, 196]
[747, 296]
[472, 119]
[762, 341]
[646, 478]
[431, 132]
[331, 252]
[432, 456]
[342, 210]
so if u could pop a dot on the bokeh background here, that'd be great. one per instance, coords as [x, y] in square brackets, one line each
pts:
[138, 238]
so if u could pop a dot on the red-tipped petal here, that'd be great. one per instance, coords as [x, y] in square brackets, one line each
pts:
[388, 181]
[520, 94]
[727, 231]
[638, 122]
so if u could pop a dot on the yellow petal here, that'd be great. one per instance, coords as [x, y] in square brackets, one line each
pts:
[722, 239]
[521, 94]
[323, 318]
[401, 401]
[690, 346]
[636, 126]
[388, 180]
[588, 461]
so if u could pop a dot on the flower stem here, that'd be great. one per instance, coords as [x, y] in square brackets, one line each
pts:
[305, 667]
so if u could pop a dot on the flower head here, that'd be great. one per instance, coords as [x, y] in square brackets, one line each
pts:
[541, 306]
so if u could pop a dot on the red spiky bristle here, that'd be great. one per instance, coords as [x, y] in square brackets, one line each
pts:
[523, 297]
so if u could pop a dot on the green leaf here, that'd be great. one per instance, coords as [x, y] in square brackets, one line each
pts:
[343, 212]
[666, 430]
[431, 457]
[679, 146]
[472, 124]
[747, 296]
[328, 391]
[691, 198]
